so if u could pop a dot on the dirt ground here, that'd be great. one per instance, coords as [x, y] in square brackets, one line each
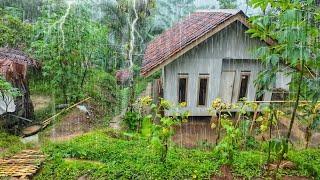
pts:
[40, 101]
[197, 131]
[72, 125]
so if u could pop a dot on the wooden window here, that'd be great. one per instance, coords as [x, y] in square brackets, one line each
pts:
[279, 94]
[182, 88]
[244, 81]
[203, 90]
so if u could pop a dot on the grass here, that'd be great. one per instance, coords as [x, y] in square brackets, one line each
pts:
[104, 154]
[125, 159]
[10, 144]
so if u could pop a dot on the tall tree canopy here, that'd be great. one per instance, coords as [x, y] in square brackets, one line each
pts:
[69, 42]
[227, 4]
[14, 32]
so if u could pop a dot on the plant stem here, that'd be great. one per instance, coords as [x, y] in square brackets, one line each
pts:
[270, 137]
[254, 119]
[294, 112]
[219, 127]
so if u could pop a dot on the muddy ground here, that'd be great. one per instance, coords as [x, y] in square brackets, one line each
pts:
[72, 125]
[198, 132]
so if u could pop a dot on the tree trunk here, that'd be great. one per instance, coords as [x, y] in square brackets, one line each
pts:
[294, 112]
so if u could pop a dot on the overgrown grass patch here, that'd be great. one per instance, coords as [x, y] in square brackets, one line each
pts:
[115, 156]
[307, 161]
[132, 158]
[10, 144]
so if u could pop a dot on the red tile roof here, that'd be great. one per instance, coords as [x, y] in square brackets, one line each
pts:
[181, 35]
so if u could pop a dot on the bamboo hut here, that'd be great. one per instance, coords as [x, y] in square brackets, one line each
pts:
[14, 65]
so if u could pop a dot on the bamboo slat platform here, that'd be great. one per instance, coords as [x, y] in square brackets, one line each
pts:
[22, 165]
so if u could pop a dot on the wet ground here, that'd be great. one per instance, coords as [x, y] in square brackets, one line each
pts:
[74, 124]
[197, 132]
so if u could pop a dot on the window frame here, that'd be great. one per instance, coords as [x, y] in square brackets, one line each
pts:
[248, 73]
[183, 76]
[207, 77]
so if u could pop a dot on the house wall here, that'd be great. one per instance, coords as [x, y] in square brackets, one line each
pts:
[207, 57]
[244, 65]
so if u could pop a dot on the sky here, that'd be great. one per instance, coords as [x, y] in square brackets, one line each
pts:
[241, 4]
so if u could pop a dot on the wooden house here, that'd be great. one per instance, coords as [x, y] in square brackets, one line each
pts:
[205, 56]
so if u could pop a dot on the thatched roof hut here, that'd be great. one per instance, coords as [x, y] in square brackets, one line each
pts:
[14, 65]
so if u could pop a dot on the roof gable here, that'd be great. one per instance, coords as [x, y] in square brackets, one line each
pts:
[185, 35]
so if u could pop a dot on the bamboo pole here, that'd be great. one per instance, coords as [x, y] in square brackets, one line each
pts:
[279, 101]
[48, 121]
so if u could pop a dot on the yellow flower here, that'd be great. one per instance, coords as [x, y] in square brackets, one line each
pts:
[165, 104]
[316, 108]
[263, 128]
[146, 101]
[213, 126]
[183, 104]
[216, 103]
[280, 113]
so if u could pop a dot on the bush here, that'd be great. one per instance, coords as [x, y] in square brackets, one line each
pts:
[132, 120]
[106, 154]
[102, 87]
[249, 163]
[307, 161]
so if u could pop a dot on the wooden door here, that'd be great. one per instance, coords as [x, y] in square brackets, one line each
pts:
[226, 85]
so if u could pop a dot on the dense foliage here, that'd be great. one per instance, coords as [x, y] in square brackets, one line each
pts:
[84, 45]
[14, 33]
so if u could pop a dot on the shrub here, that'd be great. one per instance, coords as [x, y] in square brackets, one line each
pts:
[132, 120]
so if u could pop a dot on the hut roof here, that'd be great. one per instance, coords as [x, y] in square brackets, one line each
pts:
[187, 34]
[14, 63]
[17, 56]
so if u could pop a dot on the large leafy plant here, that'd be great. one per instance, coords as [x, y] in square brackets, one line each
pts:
[159, 127]
[292, 32]
[230, 143]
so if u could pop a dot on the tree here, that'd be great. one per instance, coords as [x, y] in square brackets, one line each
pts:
[14, 32]
[68, 46]
[119, 17]
[169, 12]
[292, 29]
[227, 4]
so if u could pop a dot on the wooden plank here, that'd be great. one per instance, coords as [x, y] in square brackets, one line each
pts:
[226, 85]
[22, 165]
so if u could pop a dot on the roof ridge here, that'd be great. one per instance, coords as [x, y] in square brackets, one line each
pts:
[228, 11]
